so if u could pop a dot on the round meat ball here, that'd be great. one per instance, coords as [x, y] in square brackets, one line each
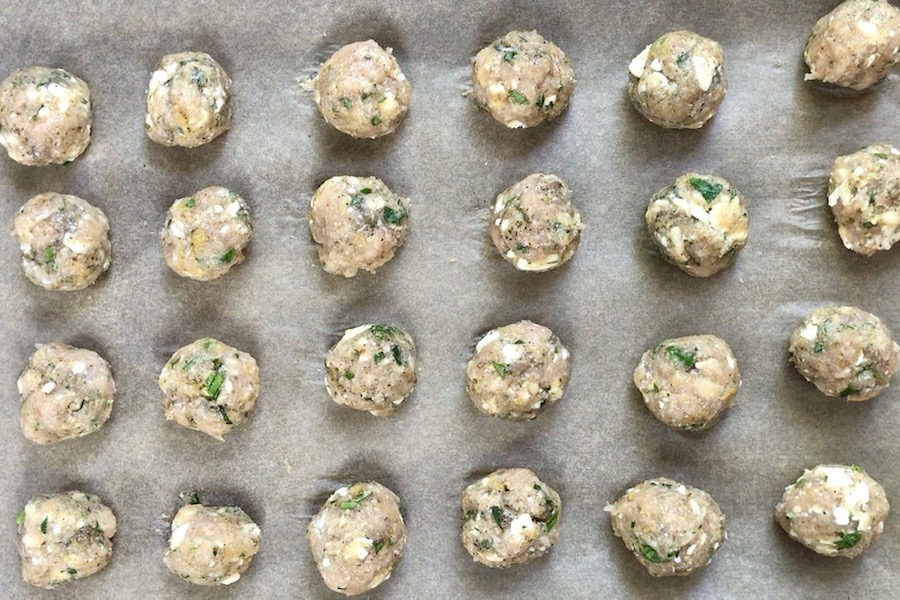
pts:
[517, 371]
[205, 234]
[835, 510]
[358, 223]
[64, 241]
[678, 81]
[854, 45]
[211, 545]
[357, 538]
[688, 382]
[522, 80]
[845, 352]
[209, 387]
[864, 195]
[534, 225]
[45, 116]
[699, 223]
[372, 367]
[63, 537]
[188, 101]
[66, 393]
[510, 517]
[361, 90]
[670, 527]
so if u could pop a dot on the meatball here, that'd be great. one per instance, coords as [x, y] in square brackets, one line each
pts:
[63, 240]
[45, 116]
[844, 351]
[510, 517]
[358, 223]
[357, 538]
[210, 387]
[834, 510]
[864, 195]
[522, 80]
[211, 545]
[670, 527]
[688, 382]
[361, 90]
[517, 371]
[188, 101]
[372, 367]
[66, 393]
[205, 234]
[699, 223]
[855, 45]
[678, 81]
[534, 225]
[64, 537]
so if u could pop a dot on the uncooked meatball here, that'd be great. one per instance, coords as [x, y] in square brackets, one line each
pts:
[358, 223]
[205, 234]
[670, 527]
[210, 387]
[361, 90]
[211, 545]
[45, 116]
[845, 352]
[517, 371]
[64, 241]
[534, 224]
[678, 81]
[510, 517]
[864, 195]
[66, 393]
[835, 510]
[64, 537]
[854, 45]
[188, 101]
[688, 382]
[699, 223]
[372, 367]
[522, 80]
[357, 538]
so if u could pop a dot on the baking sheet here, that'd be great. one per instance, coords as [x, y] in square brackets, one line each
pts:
[774, 138]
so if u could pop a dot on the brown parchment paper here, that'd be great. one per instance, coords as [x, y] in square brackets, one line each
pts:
[774, 138]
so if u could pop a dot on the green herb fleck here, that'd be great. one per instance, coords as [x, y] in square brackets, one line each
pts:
[681, 59]
[500, 368]
[215, 550]
[818, 347]
[848, 391]
[378, 546]
[224, 414]
[522, 248]
[537, 487]
[20, 518]
[213, 384]
[190, 202]
[495, 513]
[49, 255]
[349, 375]
[517, 97]
[880, 155]
[847, 539]
[71, 571]
[683, 357]
[189, 363]
[194, 498]
[383, 332]
[398, 358]
[509, 54]
[355, 501]
[707, 189]
[228, 256]
[650, 553]
[394, 217]
[856, 468]
[346, 102]
[376, 120]
[44, 525]
[552, 520]
[379, 357]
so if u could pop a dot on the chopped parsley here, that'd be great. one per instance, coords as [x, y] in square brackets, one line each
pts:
[346, 102]
[355, 501]
[517, 97]
[880, 155]
[552, 520]
[349, 375]
[818, 347]
[378, 546]
[500, 368]
[190, 202]
[847, 539]
[394, 216]
[395, 352]
[213, 384]
[44, 525]
[383, 332]
[49, 255]
[650, 553]
[228, 256]
[71, 571]
[376, 120]
[495, 513]
[357, 198]
[682, 357]
[224, 414]
[848, 391]
[707, 189]
[509, 54]
[194, 498]
[856, 468]
[379, 357]
[20, 518]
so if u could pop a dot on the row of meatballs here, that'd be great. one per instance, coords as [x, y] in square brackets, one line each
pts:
[509, 517]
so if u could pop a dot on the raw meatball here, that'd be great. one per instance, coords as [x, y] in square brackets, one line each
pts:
[205, 234]
[357, 538]
[63, 240]
[864, 195]
[358, 222]
[688, 382]
[670, 527]
[845, 352]
[855, 45]
[534, 225]
[45, 116]
[699, 223]
[210, 387]
[678, 81]
[63, 537]
[66, 393]
[189, 100]
[522, 80]
[361, 90]
[509, 517]
[211, 545]
[518, 370]
[373, 368]
[834, 510]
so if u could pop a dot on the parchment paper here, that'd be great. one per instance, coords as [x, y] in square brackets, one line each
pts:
[774, 138]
